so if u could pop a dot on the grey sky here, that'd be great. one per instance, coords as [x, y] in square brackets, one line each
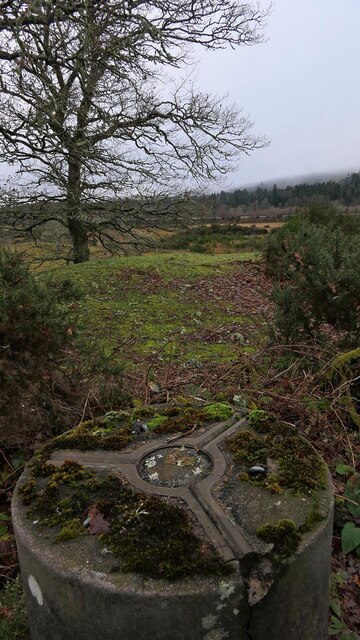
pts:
[300, 88]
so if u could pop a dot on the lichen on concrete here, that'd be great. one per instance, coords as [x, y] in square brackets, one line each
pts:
[283, 535]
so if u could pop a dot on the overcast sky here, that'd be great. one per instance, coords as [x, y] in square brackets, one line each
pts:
[300, 88]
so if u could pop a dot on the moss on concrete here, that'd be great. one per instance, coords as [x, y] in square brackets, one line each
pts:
[71, 530]
[313, 518]
[283, 535]
[156, 422]
[218, 411]
[146, 535]
[143, 413]
[157, 540]
[113, 432]
[192, 417]
[296, 465]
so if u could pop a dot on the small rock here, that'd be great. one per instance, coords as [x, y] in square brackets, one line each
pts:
[257, 470]
[139, 427]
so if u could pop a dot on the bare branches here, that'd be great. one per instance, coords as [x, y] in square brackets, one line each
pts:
[88, 114]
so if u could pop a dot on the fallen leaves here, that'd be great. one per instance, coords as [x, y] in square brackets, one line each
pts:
[97, 522]
[6, 613]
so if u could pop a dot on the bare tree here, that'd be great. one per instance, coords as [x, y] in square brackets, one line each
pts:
[96, 129]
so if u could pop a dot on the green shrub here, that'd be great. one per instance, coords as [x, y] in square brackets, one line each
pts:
[277, 251]
[228, 238]
[47, 372]
[35, 319]
[283, 244]
[36, 335]
[13, 618]
[317, 268]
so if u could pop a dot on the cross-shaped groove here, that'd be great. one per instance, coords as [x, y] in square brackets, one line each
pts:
[228, 540]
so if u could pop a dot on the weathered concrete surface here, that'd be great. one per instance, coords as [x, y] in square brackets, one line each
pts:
[76, 592]
[296, 606]
[72, 596]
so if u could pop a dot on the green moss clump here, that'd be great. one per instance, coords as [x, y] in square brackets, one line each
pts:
[111, 433]
[142, 413]
[258, 417]
[312, 519]
[172, 411]
[156, 540]
[156, 422]
[61, 497]
[272, 484]
[218, 411]
[283, 535]
[71, 530]
[188, 417]
[146, 535]
[40, 468]
[248, 448]
[28, 491]
[114, 419]
[299, 466]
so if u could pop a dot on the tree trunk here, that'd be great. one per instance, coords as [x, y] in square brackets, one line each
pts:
[76, 226]
[79, 240]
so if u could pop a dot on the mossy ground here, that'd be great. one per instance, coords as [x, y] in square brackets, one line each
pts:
[150, 304]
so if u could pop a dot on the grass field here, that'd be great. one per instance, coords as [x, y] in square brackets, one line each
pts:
[180, 310]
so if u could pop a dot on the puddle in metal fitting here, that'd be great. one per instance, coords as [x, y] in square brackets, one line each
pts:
[175, 466]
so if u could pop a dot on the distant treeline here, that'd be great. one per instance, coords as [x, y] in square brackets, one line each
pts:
[345, 191]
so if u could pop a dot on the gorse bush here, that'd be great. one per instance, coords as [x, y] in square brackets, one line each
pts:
[36, 334]
[13, 617]
[282, 244]
[316, 266]
[35, 314]
[47, 370]
[209, 239]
